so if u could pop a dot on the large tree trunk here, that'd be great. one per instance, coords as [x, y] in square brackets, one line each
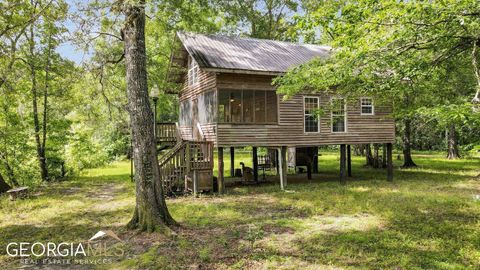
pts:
[151, 210]
[36, 122]
[3, 185]
[407, 151]
[453, 152]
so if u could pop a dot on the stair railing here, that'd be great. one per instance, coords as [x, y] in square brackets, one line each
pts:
[177, 164]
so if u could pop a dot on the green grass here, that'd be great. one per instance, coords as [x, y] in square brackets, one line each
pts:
[426, 219]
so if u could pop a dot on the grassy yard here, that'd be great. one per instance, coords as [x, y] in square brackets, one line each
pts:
[428, 218]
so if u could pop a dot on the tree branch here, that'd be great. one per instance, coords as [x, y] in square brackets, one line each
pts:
[106, 34]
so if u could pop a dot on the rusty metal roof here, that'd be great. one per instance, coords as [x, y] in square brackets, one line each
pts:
[224, 53]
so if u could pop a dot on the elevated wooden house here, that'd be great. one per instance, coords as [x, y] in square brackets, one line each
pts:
[227, 99]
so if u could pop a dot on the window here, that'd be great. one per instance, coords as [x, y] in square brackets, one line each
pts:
[192, 71]
[339, 123]
[310, 104]
[366, 105]
[247, 106]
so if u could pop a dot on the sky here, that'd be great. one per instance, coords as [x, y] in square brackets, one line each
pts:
[68, 49]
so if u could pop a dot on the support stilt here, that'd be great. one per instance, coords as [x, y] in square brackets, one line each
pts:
[343, 173]
[221, 179]
[315, 160]
[282, 162]
[255, 163]
[232, 161]
[195, 183]
[349, 161]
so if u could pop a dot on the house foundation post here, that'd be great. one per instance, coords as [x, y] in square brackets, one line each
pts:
[343, 173]
[277, 162]
[349, 161]
[255, 163]
[282, 158]
[232, 161]
[195, 183]
[315, 160]
[221, 179]
[309, 171]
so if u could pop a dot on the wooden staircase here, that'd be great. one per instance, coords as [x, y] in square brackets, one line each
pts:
[186, 166]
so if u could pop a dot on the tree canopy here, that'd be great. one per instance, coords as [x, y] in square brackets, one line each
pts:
[58, 117]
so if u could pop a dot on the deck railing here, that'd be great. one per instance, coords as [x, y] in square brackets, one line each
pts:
[167, 132]
[200, 154]
[181, 160]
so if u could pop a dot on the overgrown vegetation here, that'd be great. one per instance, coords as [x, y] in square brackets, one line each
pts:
[426, 219]
[59, 118]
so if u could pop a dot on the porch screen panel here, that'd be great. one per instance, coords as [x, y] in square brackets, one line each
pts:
[224, 106]
[260, 106]
[248, 102]
[236, 106]
[247, 106]
[271, 105]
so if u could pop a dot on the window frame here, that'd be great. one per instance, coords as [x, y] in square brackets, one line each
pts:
[371, 105]
[345, 130]
[193, 70]
[318, 120]
[254, 113]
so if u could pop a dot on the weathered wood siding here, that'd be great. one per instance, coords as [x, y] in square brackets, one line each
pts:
[206, 81]
[186, 132]
[244, 81]
[209, 131]
[289, 131]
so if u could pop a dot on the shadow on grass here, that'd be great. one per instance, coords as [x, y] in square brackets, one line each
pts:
[75, 227]
[416, 235]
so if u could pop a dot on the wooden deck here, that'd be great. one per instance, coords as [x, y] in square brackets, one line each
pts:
[166, 132]
[186, 165]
